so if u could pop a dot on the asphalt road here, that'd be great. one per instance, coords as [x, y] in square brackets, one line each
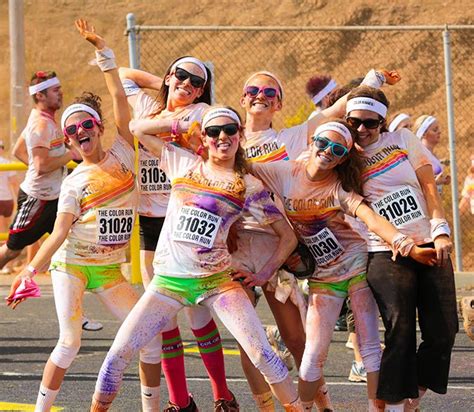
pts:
[28, 335]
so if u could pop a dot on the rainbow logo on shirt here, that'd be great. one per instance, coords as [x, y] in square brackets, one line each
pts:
[273, 156]
[379, 167]
[56, 143]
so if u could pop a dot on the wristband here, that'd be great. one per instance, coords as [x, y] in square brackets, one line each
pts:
[401, 244]
[105, 59]
[32, 270]
[200, 149]
[439, 227]
[373, 79]
[174, 128]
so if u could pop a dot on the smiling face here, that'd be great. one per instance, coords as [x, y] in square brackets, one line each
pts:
[224, 146]
[182, 92]
[260, 105]
[365, 136]
[324, 159]
[85, 140]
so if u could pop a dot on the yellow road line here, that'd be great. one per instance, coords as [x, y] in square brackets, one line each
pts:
[8, 406]
[231, 352]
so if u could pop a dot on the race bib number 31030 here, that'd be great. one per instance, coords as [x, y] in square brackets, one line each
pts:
[114, 225]
[196, 226]
[324, 247]
[400, 207]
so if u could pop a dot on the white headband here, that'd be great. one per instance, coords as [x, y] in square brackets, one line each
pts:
[54, 81]
[265, 73]
[192, 60]
[397, 120]
[324, 92]
[78, 107]
[366, 103]
[338, 128]
[218, 112]
[424, 126]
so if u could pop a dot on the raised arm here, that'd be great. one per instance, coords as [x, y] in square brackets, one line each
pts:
[143, 79]
[106, 61]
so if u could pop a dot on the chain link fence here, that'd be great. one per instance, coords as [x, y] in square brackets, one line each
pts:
[296, 54]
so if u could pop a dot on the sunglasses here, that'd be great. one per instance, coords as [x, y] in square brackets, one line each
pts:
[86, 124]
[368, 123]
[229, 129]
[254, 91]
[196, 81]
[322, 143]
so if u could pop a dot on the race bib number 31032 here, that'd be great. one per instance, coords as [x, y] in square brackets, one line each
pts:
[400, 207]
[114, 225]
[196, 226]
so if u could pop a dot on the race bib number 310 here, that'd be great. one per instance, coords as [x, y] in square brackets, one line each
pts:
[400, 207]
[196, 226]
[324, 247]
[114, 225]
[152, 178]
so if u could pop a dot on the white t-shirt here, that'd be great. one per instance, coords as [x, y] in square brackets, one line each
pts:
[153, 183]
[45, 186]
[204, 203]
[5, 191]
[271, 146]
[468, 191]
[103, 199]
[391, 186]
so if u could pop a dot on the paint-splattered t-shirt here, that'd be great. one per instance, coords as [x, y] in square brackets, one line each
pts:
[317, 212]
[268, 146]
[392, 188]
[103, 199]
[42, 131]
[204, 203]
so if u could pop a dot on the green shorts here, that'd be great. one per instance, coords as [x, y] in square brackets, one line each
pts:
[192, 291]
[95, 278]
[340, 289]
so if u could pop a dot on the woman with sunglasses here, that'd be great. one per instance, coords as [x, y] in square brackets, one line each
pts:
[96, 213]
[262, 98]
[184, 94]
[317, 193]
[192, 263]
[399, 184]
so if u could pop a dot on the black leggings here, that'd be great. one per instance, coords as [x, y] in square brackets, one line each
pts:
[400, 289]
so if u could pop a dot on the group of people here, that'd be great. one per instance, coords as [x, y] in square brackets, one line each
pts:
[225, 205]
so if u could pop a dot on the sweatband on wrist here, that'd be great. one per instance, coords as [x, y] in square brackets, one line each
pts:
[174, 128]
[32, 270]
[439, 227]
[401, 244]
[373, 79]
[54, 81]
[200, 150]
[105, 59]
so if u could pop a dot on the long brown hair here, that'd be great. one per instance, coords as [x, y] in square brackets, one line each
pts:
[162, 96]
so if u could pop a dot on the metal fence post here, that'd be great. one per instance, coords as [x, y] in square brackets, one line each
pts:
[452, 147]
[133, 52]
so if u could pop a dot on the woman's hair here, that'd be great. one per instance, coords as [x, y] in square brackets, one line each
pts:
[92, 100]
[162, 96]
[40, 77]
[338, 92]
[418, 122]
[376, 94]
[349, 171]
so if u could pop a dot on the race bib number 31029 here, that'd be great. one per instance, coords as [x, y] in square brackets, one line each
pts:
[400, 207]
[114, 225]
[324, 247]
[196, 226]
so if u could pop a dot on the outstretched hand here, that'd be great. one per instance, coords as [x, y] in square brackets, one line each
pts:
[391, 76]
[87, 31]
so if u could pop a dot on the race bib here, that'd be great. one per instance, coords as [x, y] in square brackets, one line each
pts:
[114, 225]
[400, 207]
[324, 247]
[196, 226]
[152, 178]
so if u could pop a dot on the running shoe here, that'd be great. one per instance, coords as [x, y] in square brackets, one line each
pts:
[466, 307]
[223, 405]
[358, 373]
[172, 407]
[90, 325]
[276, 342]
[341, 324]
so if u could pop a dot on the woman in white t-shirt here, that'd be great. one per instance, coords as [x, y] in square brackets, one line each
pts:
[192, 263]
[399, 184]
[96, 213]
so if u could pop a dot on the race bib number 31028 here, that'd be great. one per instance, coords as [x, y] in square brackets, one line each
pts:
[114, 225]
[196, 226]
[324, 247]
[400, 207]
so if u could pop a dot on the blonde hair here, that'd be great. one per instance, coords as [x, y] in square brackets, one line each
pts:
[419, 120]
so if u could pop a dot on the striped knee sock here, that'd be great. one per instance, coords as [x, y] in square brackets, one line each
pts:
[210, 347]
[172, 365]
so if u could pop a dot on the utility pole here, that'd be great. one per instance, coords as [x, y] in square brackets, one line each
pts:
[17, 70]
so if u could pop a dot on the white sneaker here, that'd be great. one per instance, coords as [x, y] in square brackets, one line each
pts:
[358, 373]
[90, 325]
[274, 337]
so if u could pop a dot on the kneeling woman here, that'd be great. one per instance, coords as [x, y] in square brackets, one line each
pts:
[192, 262]
[85, 248]
[317, 193]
